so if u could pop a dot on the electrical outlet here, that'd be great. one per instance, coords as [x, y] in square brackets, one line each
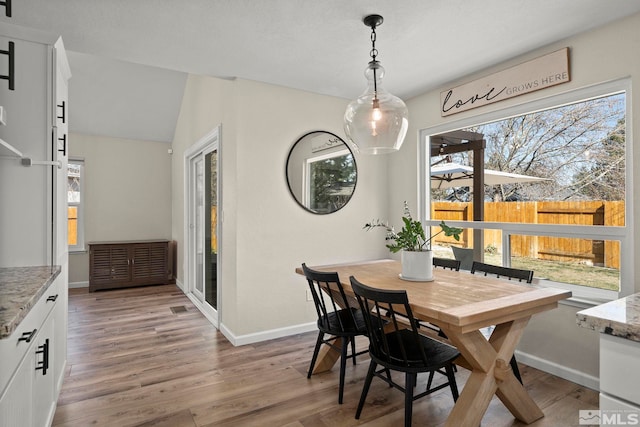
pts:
[309, 296]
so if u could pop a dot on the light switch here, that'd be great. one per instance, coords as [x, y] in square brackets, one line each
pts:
[3, 116]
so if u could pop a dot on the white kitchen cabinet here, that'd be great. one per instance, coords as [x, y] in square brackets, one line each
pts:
[16, 402]
[33, 364]
[619, 325]
[619, 373]
[36, 126]
[33, 224]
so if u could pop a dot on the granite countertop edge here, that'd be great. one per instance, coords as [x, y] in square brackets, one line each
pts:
[20, 290]
[619, 318]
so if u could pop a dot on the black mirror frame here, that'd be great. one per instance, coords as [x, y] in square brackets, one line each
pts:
[286, 170]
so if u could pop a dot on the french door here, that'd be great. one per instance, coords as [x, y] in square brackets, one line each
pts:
[203, 252]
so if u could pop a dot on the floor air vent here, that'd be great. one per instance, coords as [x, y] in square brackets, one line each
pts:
[178, 309]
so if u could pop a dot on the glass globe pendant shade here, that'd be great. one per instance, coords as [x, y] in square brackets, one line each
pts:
[377, 121]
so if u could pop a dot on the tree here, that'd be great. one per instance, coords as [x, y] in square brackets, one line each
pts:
[560, 144]
[604, 178]
[332, 182]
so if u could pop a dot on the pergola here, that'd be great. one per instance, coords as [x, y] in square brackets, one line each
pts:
[460, 141]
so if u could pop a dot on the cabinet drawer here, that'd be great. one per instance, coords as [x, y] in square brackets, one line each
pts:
[619, 373]
[12, 350]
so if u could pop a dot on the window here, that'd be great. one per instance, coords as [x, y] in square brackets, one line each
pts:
[556, 196]
[75, 202]
[330, 181]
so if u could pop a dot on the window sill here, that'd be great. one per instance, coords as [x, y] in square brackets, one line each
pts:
[582, 297]
[582, 303]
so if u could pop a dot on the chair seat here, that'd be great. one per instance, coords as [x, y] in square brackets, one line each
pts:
[341, 323]
[438, 354]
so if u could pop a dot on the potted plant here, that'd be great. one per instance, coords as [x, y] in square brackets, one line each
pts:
[416, 256]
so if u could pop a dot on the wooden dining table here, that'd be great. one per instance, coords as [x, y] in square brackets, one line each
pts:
[461, 304]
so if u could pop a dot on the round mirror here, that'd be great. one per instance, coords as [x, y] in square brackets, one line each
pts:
[321, 172]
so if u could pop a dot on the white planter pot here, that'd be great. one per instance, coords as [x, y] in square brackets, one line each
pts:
[417, 265]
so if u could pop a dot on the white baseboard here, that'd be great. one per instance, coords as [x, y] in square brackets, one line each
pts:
[569, 374]
[254, 337]
[268, 335]
[78, 285]
[556, 369]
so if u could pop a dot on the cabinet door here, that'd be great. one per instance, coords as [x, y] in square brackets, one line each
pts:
[43, 403]
[60, 144]
[26, 212]
[16, 402]
[109, 264]
[59, 345]
[149, 263]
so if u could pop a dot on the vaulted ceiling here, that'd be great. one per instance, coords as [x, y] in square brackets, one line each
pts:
[130, 59]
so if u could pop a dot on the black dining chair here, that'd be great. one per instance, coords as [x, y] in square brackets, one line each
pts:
[500, 271]
[453, 264]
[401, 348]
[335, 319]
[508, 273]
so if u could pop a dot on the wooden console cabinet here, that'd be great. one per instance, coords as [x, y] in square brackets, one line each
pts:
[128, 263]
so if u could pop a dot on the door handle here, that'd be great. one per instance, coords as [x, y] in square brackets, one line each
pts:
[27, 336]
[44, 363]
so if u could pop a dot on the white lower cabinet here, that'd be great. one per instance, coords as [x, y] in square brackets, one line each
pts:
[44, 397]
[32, 381]
[16, 402]
[619, 379]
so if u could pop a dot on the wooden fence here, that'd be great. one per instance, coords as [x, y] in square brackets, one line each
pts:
[596, 252]
[72, 225]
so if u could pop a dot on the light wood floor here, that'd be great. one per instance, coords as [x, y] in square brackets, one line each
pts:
[147, 357]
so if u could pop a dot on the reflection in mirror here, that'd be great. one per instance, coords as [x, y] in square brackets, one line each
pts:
[321, 172]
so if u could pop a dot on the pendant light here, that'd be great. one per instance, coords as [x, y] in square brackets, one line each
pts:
[376, 122]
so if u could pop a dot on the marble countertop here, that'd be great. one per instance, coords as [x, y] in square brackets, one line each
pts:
[620, 318]
[20, 289]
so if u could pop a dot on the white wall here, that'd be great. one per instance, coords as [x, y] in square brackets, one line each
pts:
[599, 56]
[266, 235]
[127, 192]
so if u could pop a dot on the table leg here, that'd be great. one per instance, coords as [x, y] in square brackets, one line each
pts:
[491, 374]
[327, 357]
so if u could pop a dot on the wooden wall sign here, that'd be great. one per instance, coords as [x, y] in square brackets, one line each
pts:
[539, 73]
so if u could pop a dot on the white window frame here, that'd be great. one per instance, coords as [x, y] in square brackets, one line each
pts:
[306, 176]
[80, 244]
[622, 234]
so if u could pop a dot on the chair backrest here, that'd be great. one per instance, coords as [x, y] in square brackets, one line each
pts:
[328, 295]
[465, 255]
[499, 271]
[397, 344]
[453, 264]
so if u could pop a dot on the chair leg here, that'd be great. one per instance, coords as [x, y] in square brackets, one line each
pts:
[451, 376]
[410, 382]
[516, 370]
[353, 349]
[315, 353]
[343, 367]
[365, 388]
[430, 380]
[316, 350]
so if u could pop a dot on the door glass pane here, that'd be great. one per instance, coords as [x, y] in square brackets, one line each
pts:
[199, 222]
[211, 221]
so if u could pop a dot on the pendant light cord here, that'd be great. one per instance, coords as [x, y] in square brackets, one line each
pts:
[373, 54]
